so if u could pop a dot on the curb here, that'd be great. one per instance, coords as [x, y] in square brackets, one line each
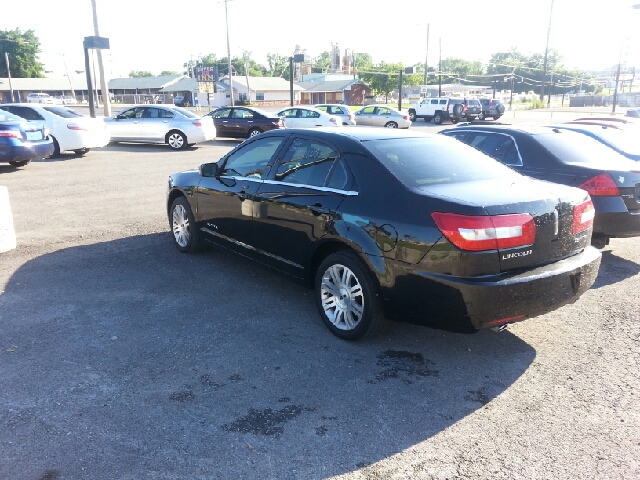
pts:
[7, 232]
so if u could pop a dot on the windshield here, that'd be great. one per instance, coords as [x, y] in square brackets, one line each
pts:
[574, 147]
[63, 112]
[417, 162]
[186, 113]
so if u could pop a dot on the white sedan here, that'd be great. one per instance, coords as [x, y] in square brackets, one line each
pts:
[69, 129]
[307, 117]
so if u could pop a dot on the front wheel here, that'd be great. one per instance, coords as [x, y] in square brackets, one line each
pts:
[346, 296]
[183, 226]
[438, 119]
[391, 125]
[254, 131]
[412, 115]
[177, 140]
[82, 151]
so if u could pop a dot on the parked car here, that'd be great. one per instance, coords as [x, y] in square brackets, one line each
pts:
[392, 224]
[342, 111]
[382, 116]
[174, 126]
[69, 129]
[572, 159]
[39, 98]
[623, 142]
[440, 109]
[22, 141]
[308, 117]
[243, 122]
[491, 108]
[633, 113]
[181, 101]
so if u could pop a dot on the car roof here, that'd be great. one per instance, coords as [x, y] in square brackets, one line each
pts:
[356, 133]
[528, 129]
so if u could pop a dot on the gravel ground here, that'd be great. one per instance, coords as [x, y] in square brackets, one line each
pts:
[121, 358]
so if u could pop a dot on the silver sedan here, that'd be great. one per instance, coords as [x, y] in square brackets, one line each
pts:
[174, 126]
[382, 116]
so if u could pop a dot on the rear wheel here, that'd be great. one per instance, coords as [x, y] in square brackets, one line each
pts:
[20, 163]
[391, 125]
[427, 119]
[346, 296]
[454, 120]
[481, 116]
[497, 117]
[438, 119]
[412, 115]
[82, 151]
[183, 226]
[254, 131]
[176, 140]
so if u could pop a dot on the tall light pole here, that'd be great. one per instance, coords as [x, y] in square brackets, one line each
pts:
[6, 59]
[103, 83]
[546, 53]
[226, 17]
[426, 58]
[615, 91]
[73, 94]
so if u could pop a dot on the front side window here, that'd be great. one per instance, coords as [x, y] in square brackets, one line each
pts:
[289, 113]
[223, 113]
[307, 162]
[309, 114]
[368, 110]
[241, 113]
[251, 160]
[132, 113]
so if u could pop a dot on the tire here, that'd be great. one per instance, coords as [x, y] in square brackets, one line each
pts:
[481, 116]
[438, 119]
[427, 119]
[19, 163]
[454, 120]
[176, 140]
[185, 235]
[391, 125]
[56, 148]
[458, 109]
[343, 274]
[470, 119]
[253, 132]
[497, 117]
[412, 115]
[82, 151]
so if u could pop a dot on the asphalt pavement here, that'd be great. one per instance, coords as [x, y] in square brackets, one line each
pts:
[121, 358]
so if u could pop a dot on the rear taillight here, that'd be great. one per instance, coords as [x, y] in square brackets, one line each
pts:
[10, 134]
[406, 117]
[478, 233]
[583, 215]
[75, 126]
[447, 107]
[197, 123]
[333, 120]
[601, 186]
[350, 117]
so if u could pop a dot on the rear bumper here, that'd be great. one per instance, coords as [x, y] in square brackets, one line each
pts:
[18, 152]
[469, 304]
[613, 219]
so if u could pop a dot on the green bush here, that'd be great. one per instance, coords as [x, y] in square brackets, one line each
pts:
[537, 103]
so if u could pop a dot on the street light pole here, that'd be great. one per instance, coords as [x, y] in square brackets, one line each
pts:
[546, 53]
[73, 94]
[226, 17]
[6, 59]
[103, 82]
[426, 58]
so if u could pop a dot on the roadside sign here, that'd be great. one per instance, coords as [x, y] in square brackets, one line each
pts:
[206, 87]
[206, 74]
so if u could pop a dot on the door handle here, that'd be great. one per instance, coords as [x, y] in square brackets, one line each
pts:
[249, 121]
[317, 209]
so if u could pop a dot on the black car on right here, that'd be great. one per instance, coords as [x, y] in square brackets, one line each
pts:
[569, 158]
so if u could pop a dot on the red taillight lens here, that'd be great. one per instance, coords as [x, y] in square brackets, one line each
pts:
[406, 117]
[10, 134]
[478, 233]
[198, 123]
[333, 120]
[447, 107]
[350, 117]
[583, 215]
[75, 126]
[601, 186]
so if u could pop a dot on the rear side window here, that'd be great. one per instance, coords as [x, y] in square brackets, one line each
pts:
[417, 162]
[572, 147]
[63, 112]
[501, 147]
[443, 102]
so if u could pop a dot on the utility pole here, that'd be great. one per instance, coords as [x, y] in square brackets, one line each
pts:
[546, 53]
[426, 58]
[440, 69]
[226, 17]
[246, 75]
[400, 92]
[73, 94]
[106, 101]
[6, 59]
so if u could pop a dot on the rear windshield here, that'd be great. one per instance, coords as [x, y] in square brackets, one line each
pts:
[9, 117]
[63, 112]
[474, 102]
[186, 113]
[263, 113]
[573, 147]
[436, 160]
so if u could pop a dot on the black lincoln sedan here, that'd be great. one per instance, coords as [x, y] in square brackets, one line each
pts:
[392, 224]
[571, 158]
[243, 122]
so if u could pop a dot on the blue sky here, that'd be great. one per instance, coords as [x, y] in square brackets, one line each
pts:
[156, 36]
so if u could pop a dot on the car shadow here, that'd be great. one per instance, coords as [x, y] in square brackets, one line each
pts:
[614, 269]
[128, 356]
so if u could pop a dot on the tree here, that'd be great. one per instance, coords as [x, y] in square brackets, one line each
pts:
[23, 49]
[278, 65]
[139, 73]
[169, 72]
[383, 78]
[322, 63]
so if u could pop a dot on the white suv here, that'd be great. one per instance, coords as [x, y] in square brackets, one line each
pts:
[39, 98]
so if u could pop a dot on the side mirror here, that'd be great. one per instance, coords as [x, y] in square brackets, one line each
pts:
[208, 170]
[358, 112]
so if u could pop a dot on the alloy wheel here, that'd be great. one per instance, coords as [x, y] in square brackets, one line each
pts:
[176, 140]
[342, 297]
[181, 227]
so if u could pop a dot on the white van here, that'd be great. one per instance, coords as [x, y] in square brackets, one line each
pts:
[39, 98]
